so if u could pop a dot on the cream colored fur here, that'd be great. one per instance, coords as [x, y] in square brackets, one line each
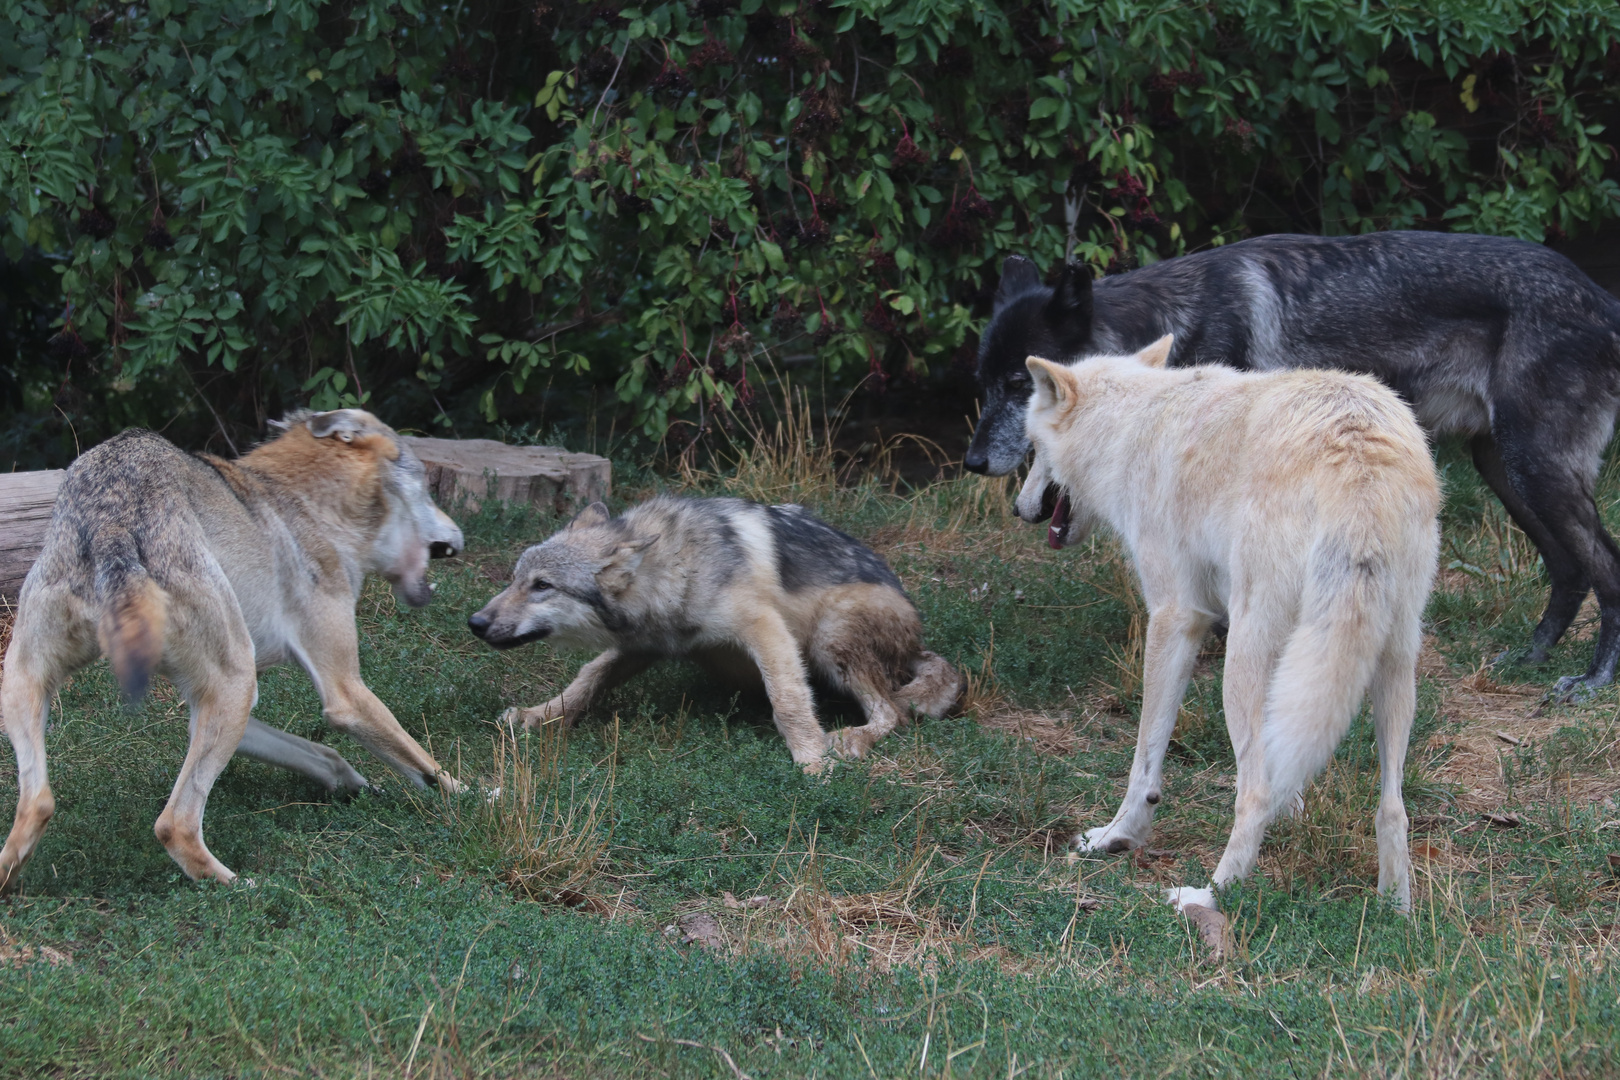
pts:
[1299, 505]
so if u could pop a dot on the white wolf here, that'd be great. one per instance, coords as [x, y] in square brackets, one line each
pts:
[1300, 505]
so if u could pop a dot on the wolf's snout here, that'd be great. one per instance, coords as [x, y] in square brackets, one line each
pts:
[977, 461]
[478, 623]
[1049, 501]
[441, 549]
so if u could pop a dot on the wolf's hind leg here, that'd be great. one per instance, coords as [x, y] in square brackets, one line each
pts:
[1174, 635]
[210, 658]
[1394, 702]
[1569, 581]
[1253, 643]
[44, 649]
[272, 746]
[936, 687]
[602, 674]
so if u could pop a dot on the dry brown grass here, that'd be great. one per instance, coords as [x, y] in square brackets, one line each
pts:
[776, 461]
[896, 926]
[552, 845]
[1497, 729]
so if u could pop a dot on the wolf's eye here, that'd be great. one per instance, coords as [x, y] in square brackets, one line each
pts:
[1018, 378]
[540, 585]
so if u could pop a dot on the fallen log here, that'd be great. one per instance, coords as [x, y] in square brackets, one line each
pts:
[26, 499]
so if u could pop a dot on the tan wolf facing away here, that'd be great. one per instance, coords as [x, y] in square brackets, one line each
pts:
[753, 593]
[207, 570]
[1301, 505]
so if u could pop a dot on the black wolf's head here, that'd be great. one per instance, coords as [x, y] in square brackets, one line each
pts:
[1030, 319]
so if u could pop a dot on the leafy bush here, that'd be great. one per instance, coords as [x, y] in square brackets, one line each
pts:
[465, 213]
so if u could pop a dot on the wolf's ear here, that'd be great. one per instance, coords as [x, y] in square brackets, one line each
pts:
[1069, 310]
[619, 568]
[1055, 384]
[344, 423]
[1158, 353]
[1018, 276]
[594, 514]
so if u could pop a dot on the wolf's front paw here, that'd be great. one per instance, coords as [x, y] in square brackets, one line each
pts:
[1577, 688]
[1109, 839]
[1185, 895]
[818, 766]
[850, 742]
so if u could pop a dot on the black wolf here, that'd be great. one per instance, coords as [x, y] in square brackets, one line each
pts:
[1500, 340]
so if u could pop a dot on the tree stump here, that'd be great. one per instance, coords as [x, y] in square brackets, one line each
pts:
[464, 472]
[26, 501]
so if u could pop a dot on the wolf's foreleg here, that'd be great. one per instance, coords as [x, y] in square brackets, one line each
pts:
[775, 650]
[608, 670]
[332, 659]
[272, 746]
[1174, 635]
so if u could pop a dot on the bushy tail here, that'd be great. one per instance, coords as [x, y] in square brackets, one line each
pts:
[1345, 619]
[134, 614]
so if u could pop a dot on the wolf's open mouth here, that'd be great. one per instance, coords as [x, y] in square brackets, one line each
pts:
[1057, 533]
[522, 639]
[1055, 506]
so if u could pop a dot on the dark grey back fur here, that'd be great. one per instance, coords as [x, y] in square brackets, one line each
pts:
[812, 554]
[1417, 310]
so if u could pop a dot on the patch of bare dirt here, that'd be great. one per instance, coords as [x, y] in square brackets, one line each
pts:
[1492, 720]
[15, 954]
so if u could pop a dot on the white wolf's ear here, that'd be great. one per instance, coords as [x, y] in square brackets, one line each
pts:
[344, 423]
[1158, 353]
[594, 514]
[1054, 384]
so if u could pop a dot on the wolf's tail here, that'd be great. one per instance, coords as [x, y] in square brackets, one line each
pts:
[1347, 612]
[134, 614]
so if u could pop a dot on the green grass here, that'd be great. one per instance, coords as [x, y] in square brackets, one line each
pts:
[922, 919]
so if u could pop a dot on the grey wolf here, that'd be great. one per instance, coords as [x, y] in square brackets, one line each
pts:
[1300, 506]
[208, 571]
[1499, 340]
[761, 595]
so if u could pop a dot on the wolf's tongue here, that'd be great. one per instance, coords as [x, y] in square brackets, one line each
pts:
[1060, 523]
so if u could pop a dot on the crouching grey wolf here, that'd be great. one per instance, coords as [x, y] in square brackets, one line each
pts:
[755, 594]
[1500, 340]
[1300, 506]
[206, 571]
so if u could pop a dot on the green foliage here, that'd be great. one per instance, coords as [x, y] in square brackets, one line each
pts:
[667, 198]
